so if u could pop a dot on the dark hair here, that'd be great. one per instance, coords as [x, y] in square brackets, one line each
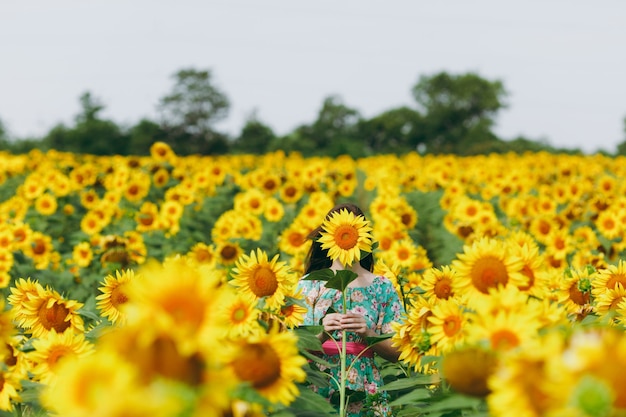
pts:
[317, 258]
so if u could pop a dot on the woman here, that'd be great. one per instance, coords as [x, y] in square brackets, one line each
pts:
[372, 304]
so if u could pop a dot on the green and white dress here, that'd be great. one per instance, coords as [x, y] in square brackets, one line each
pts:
[380, 304]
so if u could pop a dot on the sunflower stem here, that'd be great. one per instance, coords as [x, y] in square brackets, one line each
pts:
[342, 353]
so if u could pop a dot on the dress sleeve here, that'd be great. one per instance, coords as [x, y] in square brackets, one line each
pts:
[391, 309]
[310, 293]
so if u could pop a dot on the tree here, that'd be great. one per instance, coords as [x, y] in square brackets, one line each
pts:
[91, 134]
[621, 148]
[143, 135]
[190, 111]
[255, 137]
[457, 109]
[334, 132]
[396, 130]
[4, 139]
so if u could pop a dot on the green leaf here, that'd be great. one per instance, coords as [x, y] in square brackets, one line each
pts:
[341, 279]
[372, 340]
[311, 404]
[320, 275]
[453, 402]
[410, 382]
[412, 397]
[307, 337]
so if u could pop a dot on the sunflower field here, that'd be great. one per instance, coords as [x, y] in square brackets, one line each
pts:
[167, 285]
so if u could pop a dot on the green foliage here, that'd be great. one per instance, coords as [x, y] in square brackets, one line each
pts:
[457, 109]
[441, 245]
[190, 111]
[255, 137]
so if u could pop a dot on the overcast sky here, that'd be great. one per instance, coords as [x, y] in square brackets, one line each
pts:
[563, 62]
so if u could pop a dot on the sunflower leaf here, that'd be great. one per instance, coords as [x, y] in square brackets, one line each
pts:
[320, 275]
[341, 279]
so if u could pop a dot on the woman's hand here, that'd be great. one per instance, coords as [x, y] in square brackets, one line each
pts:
[332, 322]
[356, 323]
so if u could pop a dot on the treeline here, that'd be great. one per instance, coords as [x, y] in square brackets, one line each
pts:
[452, 114]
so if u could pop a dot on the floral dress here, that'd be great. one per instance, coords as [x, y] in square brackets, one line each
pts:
[380, 305]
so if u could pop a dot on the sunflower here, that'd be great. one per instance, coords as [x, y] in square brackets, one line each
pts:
[486, 264]
[345, 236]
[160, 177]
[505, 330]
[447, 324]
[293, 239]
[147, 217]
[53, 347]
[237, 315]
[274, 210]
[177, 297]
[9, 390]
[523, 384]
[271, 364]
[252, 200]
[114, 295]
[202, 254]
[40, 250]
[46, 204]
[467, 369]
[607, 302]
[82, 254]
[91, 223]
[609, 224]
[80, 383]
[290, 192]
[607, 278]
[260, 278]
[439, 282]
[228, 253]
[574, 290]
[47, 310]
[23, 290]
[292, 312]
[137, 187]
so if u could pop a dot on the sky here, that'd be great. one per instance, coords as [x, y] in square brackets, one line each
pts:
[562, 62]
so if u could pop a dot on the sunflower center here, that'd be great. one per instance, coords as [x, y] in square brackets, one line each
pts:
[238, 315]
[451, 325]
[53, 317]
[259, 365]
[488, 272]
[346, 237]
[263, 282]
[443, 288]
[118, 297]
[228, 253]
[577, 296]
[504, 340]
[614, 280]
[295, 239]
[58, 353]
[527, 272]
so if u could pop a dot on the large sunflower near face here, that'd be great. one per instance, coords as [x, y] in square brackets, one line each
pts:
[271, 364]
[345, 235]
[114, 295]
[258, 277]
[488, 263]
